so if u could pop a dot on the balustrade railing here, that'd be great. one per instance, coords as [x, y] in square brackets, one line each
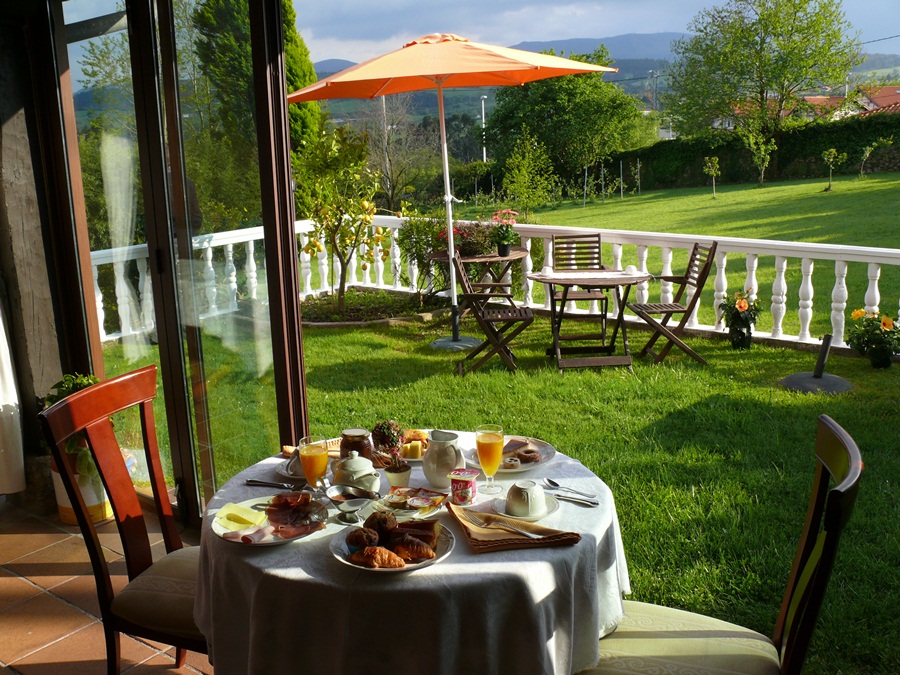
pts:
[789, 270]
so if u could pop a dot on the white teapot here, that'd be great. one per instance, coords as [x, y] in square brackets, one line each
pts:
[356, 471]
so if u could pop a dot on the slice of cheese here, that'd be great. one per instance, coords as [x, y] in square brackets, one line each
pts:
[236, 517]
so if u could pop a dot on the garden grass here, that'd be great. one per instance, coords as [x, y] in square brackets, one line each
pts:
[711, 466]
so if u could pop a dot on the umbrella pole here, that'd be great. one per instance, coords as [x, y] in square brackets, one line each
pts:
[448, 204]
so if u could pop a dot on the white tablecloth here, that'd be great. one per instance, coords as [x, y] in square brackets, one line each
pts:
[294, 608]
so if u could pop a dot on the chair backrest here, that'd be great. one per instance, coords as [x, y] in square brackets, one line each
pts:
[700, 262]
[87, 413]
[461, 274]
[577, 252]
[829, 510]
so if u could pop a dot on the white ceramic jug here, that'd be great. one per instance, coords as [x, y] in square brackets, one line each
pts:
[442, 457]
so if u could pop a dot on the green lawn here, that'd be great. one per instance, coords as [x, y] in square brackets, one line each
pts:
[710, 466]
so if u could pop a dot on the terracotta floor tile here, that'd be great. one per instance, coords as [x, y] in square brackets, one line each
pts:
[32, 624]
[200, 663]
[54, 564]
[14, 590]
[81, 591]
[25, 536]
[162, 665]
[82, 653]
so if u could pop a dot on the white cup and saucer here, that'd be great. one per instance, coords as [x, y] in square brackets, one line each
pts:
[526, 500]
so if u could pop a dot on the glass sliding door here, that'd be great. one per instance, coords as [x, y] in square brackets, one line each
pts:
[170, 166]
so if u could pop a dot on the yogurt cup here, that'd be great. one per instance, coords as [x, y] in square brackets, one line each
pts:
[462, 486]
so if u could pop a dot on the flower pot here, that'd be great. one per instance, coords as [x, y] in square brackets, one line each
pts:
[880, 357]
[503, 250]
[740, 338]
[92, 493]
[398, 478]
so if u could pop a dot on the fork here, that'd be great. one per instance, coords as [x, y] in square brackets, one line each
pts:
[480, 521]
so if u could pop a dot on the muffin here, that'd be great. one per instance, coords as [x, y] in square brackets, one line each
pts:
[361, 538]
[383, 522]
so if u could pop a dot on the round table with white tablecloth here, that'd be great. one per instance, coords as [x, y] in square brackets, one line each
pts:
[295, 608]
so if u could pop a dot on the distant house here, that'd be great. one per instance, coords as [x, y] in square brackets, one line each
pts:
[890, 109]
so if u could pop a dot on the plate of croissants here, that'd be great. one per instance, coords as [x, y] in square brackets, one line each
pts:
[384, 545]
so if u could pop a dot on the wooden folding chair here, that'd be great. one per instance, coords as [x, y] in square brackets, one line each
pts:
[500, 324]
[580, 252]
[654, 638]
[158, 601]
[685, 300]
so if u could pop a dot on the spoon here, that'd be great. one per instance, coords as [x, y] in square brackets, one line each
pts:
[552, 483]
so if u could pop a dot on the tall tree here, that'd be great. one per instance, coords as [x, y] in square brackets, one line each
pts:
[749, 60]
[579, 119]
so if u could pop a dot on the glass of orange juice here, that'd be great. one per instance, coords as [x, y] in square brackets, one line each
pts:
[313, 459]
[489, 442]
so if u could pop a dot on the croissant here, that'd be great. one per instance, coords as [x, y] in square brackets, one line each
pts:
[409, 548]
[376, 556]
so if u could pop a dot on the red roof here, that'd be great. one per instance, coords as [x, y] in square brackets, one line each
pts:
[890, 109]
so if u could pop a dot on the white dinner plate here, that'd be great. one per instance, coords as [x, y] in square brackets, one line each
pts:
[499, 507]
[259, 504]
[445, 544]
[547, 453]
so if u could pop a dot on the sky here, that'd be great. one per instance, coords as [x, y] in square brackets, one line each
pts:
[356, 30]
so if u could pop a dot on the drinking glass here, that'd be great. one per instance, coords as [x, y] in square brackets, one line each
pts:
[313, 459]
[489, 441]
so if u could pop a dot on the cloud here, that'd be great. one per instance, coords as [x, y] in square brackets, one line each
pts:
[360, 29]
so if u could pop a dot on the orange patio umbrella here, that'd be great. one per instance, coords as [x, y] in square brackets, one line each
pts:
[440, 61]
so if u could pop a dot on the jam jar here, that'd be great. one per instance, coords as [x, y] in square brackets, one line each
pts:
[359, 440]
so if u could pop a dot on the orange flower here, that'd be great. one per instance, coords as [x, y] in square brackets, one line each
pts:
[742, 305]
[887, 323]
[858, 314]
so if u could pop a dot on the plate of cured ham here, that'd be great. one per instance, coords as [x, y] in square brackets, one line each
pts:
[280, 519]
[520, 453]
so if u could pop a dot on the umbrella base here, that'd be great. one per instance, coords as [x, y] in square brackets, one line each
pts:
[464, 343]
[809, 383]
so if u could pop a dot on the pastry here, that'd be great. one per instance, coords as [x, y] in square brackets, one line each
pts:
[513, 445]
[528, 456]
[416, 435]
[376, 556]
[427, 531]
[382, 522]
[360, 538]
[410, 548]
[511, 463]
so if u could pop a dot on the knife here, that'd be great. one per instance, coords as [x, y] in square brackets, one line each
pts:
[577, 500]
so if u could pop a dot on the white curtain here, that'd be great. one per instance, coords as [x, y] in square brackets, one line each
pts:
[117, 163]
[12, 457]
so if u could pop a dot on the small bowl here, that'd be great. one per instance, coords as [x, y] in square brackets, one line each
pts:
[348, 500]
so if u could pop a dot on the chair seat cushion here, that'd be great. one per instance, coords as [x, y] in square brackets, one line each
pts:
[656, 639]
[162, 596]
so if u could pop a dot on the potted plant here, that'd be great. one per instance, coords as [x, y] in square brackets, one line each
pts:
[876, 336]
[79, 456]
[398, 470]
[740, 314]
[504, 235]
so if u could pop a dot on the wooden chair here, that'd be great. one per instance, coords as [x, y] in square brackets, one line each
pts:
[500, 324]
[158, 601]
[686, 298]
[580, 252]
[652, 638]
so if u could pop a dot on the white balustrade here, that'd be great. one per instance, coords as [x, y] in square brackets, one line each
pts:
[759, 254]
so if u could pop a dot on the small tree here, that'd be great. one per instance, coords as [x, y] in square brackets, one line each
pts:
[760, 146]
[869, 149]
[529, 180]
[711, 169]
[833, 159]
[337, 176]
